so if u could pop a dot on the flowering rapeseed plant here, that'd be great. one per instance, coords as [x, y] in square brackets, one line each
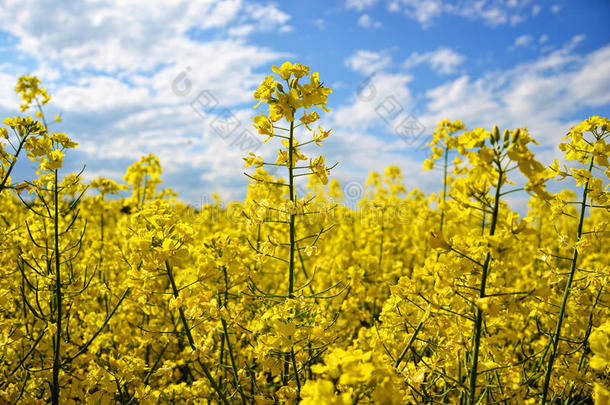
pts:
[118, 293]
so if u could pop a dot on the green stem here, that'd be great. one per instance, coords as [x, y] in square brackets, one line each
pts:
[189, 336]
[233, 366]
[292, 216]
[101, 250]
[444, 186]
[58, 294]
[296, 373]
[566, 293]
[381, 241]
[226, 338]
[408, 346]
[13, 162]
[479, 316]
[58, 300]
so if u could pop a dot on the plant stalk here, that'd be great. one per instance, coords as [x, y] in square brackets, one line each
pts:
[58, 300]
[189, 336]
[566, 293]
[292, 216]
[478, 325]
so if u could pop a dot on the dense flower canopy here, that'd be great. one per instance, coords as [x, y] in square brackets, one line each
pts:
[120, 293]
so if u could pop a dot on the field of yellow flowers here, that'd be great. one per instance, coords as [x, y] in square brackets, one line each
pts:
[121, 294]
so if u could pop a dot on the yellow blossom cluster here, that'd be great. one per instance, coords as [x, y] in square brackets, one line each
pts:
[119, 293]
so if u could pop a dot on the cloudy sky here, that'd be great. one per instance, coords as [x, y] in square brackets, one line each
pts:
[176, 77]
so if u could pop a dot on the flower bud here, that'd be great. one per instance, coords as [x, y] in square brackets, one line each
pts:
[495, 135]
[506, 137]
[516, 135]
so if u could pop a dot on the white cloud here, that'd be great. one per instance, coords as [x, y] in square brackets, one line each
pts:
[536, 10]
[492, 12]
[369, 153]
[442, 60]
[8, 98]
[366, 21]
[320, 23]
[422, 11]
[523, 41]
[221, 13]
[128, 35]
[359, 4]
[98, 94]
[574, 41]
[590, 85]
[375, 102]
[242, 30]
[269, 12]
[541, 94]
[394, 6]
[368, 62]
[516, 19]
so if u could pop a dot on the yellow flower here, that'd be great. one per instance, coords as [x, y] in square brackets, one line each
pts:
[253, 159]
[311, 250]
[107, 186]
[282, 157]
[600, 346]
[53, 161]
[263, 125]
[22, 186]
[285, 106]
[314, 93]
[265, 90]
[284, 71]
[320, 134]
[581, 176]
[601, 394]
[63, 140]
[555, 171]
[288, 68]
[28, 87]
[437, 241]
[319, 168]
[309, 118]
[299, 70]
[486, 155]
[474, 138]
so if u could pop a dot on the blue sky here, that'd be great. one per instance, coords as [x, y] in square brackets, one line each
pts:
[124, 74]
